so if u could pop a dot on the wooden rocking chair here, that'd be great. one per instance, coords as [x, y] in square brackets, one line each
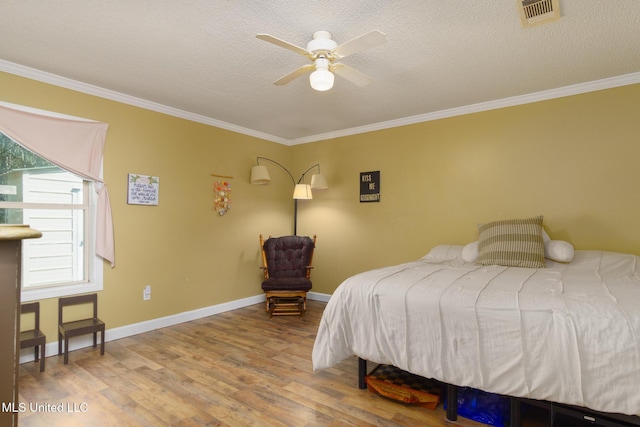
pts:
[286, 262]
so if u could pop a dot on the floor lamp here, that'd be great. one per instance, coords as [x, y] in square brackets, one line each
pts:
[260, 176]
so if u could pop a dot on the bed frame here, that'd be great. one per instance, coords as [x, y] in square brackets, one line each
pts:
[588, 415]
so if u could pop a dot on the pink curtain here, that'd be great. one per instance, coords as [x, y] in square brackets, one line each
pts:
[73, 144]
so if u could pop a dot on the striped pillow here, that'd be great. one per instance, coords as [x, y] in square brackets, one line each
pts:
[512, 243]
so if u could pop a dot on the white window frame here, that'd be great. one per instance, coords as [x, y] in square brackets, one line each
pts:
[93, 263]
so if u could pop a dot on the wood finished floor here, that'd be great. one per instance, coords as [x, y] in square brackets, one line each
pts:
[233, 369]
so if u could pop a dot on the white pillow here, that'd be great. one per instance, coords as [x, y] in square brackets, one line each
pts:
[559, 250]
[470, 252]
[442, 253]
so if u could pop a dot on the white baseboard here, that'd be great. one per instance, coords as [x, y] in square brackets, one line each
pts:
[318, 297]
[51, 349]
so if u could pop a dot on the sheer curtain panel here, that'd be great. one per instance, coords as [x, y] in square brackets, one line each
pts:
[74, 144]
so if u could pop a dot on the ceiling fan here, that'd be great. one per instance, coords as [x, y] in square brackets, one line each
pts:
[324, 54]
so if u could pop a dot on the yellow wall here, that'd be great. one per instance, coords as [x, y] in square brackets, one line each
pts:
[191, 256]
[572, 160]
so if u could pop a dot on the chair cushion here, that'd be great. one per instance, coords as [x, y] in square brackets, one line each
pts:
[287, 284]
[288, 256]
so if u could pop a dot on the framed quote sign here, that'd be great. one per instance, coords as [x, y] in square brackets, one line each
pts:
[369, 187]
[143, 190]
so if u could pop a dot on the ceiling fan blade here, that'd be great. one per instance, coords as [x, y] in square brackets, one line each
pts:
[294, 75]
[285, 44]
[365, 41]
[351, 74]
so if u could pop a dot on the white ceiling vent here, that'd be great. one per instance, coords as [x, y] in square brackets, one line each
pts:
[535, 12]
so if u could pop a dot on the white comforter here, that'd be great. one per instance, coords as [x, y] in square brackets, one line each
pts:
[568, 333]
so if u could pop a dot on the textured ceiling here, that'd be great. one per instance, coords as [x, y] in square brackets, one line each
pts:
[201, 57]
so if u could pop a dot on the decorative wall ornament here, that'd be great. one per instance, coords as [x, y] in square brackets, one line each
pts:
[222, 194]
[143, 190]
[222, 198]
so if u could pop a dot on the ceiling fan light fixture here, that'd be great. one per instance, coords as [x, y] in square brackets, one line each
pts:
[321, 79]
[324, 51]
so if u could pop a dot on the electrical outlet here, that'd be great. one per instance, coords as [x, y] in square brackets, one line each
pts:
[146, 293]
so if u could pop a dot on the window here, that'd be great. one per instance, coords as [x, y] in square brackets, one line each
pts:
[62, 206]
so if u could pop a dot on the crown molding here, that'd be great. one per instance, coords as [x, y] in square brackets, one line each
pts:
[576, 89]
[42, 76]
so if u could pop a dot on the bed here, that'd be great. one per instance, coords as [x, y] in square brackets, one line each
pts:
[567, 333]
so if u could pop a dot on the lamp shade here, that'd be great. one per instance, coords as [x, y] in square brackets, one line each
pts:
[302, 191]
[321, 79]
[319, 182]
[260, 175]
